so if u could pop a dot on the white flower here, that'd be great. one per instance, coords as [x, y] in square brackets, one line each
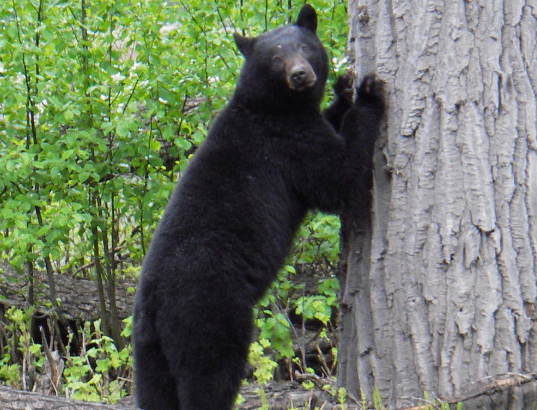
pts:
[118, 77]
[338, 63]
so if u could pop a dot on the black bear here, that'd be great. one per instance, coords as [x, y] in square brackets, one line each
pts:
[269, 157]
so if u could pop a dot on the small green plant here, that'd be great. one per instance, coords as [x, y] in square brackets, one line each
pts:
[9, 372]
[22, 359]
[264, 399]
[263, 364]
[319, 306]
[363, 399]
[308, 385]
[316, 248]
[377, 399]
[101, 372]
[275, 331]
[342, 398]
[240, 399]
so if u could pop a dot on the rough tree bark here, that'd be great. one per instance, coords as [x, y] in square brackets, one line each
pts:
[440, 292]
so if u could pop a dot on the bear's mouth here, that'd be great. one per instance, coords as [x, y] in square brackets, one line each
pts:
[301, 76]
[301, 83]
[301, 87]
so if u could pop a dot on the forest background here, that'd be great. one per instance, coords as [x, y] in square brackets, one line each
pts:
[102, 103]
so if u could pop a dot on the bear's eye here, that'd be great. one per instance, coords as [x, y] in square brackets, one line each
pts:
[304, 47]
[277, 60]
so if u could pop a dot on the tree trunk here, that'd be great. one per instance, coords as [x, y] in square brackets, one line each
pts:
[440, 294]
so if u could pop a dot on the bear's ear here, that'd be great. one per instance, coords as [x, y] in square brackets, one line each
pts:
[307, 18]
[244, 44]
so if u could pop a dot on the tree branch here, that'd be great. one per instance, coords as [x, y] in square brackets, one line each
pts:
[498, 385]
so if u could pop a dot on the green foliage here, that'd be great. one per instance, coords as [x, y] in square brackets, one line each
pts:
[319, 306]
[317, 248]
[90, 97]
[127, 330]
[342, 396]
[20, 348]
[277, 334]
[363, 399]
[101, 372]
[9, 372]
[83, 122]
[264, 400]
[377, 399]
[263, 364]
[318, 241]
[274, 328]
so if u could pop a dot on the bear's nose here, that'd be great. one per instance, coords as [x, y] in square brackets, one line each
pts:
[299, 76]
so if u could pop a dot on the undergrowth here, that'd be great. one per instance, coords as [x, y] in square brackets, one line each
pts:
[100, 372]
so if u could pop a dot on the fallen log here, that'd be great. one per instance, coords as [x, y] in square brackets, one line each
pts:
[276, 396]
[11, 399]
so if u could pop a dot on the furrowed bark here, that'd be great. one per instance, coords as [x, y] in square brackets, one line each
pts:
[452, 271]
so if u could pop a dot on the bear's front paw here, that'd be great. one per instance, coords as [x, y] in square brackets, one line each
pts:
[344, 88]
[371, 92]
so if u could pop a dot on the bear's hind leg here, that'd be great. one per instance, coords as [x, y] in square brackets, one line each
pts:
[208, 355]
[211, 391]
[155, 385]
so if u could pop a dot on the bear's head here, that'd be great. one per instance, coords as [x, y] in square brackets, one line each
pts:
[285, 66]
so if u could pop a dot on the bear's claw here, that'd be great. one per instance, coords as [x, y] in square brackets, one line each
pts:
[371, 91]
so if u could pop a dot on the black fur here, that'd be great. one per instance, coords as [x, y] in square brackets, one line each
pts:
[269, 157]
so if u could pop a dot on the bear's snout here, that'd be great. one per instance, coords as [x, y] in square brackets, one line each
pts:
[301, 76]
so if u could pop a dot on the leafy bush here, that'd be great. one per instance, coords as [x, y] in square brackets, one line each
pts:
[101, 372]
[92, 94]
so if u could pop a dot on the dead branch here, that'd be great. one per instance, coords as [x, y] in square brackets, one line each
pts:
[498, 385]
